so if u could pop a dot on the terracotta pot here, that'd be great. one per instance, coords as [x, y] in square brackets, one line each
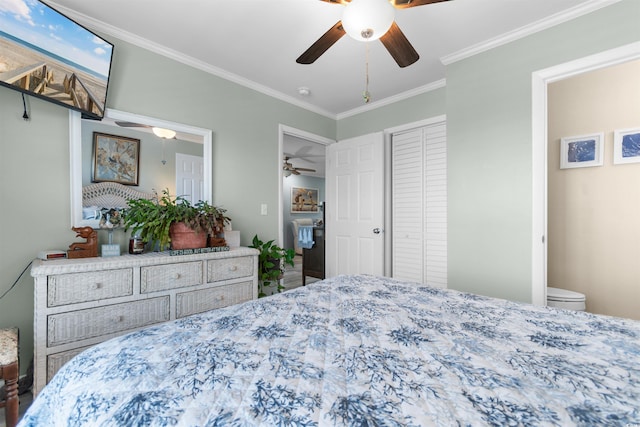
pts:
[183, 237]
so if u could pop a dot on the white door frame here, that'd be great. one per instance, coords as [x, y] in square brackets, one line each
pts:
[540, 80]
[282, 131]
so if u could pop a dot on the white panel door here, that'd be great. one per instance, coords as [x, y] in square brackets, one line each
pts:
[190, 177]
[354, 210]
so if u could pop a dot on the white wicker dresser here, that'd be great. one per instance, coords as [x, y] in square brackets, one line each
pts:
[81, 302]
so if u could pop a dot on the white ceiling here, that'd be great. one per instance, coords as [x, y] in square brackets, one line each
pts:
[256, 42]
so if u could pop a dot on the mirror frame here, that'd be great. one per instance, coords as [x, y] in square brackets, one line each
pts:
[75, 151]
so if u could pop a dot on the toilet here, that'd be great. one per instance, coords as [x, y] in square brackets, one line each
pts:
[563, 298]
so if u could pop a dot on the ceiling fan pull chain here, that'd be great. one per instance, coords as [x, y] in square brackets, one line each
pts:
[366, 95]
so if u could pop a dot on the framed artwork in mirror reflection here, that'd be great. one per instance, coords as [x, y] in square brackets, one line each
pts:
[115, 159]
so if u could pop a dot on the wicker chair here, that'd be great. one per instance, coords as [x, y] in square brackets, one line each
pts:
[9, 372]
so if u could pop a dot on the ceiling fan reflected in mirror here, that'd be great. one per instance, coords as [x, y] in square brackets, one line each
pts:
[158, 131]
[367, 20]
[288, 169]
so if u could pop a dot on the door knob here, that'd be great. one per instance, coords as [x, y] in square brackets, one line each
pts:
[376, 231]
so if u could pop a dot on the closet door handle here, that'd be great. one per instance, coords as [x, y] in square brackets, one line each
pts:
[377, 231]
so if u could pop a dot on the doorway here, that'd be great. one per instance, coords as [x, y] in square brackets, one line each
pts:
[301, 165]
[540, 80]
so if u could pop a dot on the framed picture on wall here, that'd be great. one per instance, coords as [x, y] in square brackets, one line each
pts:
[115, 159]
[582, 151]
[304, 200]
[626, 146]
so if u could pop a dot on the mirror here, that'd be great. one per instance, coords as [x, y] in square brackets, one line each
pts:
[80, 168]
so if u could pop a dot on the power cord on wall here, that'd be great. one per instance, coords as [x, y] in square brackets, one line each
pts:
[25, 115]
[17, 280]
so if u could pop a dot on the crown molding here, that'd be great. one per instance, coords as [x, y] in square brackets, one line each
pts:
[392, 99]
[185, 59]
[527, 30]
[519, 33]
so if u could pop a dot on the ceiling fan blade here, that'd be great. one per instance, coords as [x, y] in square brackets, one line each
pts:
[337, 1]
[131, 125]
[403, 4]
[399, 47]
[321, 45]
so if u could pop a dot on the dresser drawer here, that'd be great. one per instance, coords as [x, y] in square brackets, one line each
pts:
[78, 325]
[57, 360]
[229, 268]
[188, 303]
[73, 288]
[170, 276]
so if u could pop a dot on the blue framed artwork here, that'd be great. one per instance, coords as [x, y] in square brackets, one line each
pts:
[626, 146]
[581, 151]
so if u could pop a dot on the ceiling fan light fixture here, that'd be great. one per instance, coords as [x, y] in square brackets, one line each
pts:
[367, 20]
[163, 133]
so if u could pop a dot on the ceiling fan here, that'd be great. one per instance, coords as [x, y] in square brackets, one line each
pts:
[353, 23]
[158, 131]
[289, 169]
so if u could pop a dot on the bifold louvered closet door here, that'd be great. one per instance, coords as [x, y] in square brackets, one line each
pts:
[419, 199]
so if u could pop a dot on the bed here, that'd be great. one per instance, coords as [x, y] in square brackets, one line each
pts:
[357, 350]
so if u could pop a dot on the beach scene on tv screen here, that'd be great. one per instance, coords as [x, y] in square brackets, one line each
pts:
[44, 52]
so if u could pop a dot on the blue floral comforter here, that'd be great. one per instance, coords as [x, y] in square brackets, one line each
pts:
[358, 350]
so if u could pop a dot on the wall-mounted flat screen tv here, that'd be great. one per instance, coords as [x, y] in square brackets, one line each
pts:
[46, 54]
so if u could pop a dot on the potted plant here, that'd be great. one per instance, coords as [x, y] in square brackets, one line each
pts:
[271, 262]
[167, 220]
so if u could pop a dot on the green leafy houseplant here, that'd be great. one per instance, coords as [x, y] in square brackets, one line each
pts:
[271, 262]
[152, 219]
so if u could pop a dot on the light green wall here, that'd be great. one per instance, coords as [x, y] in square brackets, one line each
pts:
[490, 152]
[414, 109]
[488, 109]
[488, 106]
[34, 192]
[244, 124]
[34, 160]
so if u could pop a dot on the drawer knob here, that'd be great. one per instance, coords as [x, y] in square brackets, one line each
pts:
[233, 268]
[176, 275]
[97, 285]
[120, 318]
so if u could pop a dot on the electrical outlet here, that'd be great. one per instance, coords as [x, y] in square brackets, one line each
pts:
[263, 209]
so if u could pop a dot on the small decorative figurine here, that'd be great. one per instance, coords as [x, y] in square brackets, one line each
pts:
[84, 249]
